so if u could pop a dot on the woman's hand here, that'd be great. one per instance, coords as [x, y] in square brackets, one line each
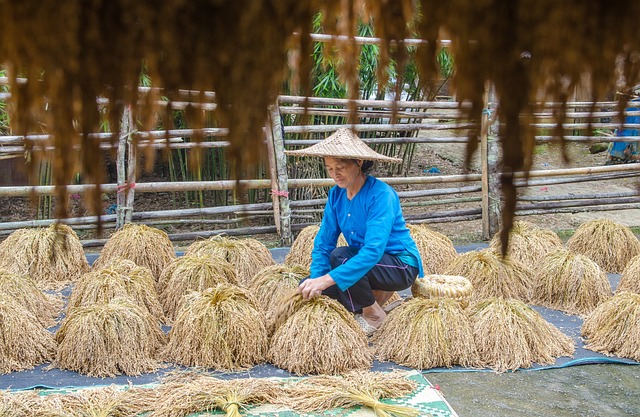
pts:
[313, 287]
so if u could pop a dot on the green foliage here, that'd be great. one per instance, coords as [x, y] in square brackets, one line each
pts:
[4, 115]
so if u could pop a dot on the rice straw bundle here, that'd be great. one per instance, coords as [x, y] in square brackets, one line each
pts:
[630, 278]
[570, 282]
[221, 327]
[511, 335]
[109, 339]
[270, 284]
[610, 244]
[317, 336]
[45, 307]
[11, 405]
[24, 342]
[356, 388]
[448, 286]
[613, 328]
[248, 256]
[427, 333]
[528, 243]
[492, 275]
[191, 273]
[121, 279]
[145, 246]
[436, 250]
[300, 251]
[51, 256]
[204, 393]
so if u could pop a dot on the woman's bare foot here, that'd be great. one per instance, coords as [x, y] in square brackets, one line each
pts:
[374, 315]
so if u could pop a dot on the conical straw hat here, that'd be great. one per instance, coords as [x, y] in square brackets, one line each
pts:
[343, 144]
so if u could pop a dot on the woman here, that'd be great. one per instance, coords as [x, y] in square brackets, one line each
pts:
[381, 257]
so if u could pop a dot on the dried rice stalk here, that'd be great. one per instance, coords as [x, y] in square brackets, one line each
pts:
[613, 328]
[364, 388]
[123, 279]
[145, 246]
[270, 284]
[109, 339]
[511, 335]
[528, 243]
[300, 251]
[11, 405]
[51, 256]
[204, 394]
[317, 336]
[610, 244]
[248, 256]
[45, 307]
[221, 327]
[492, 275]
[436, 250]
[448, 286]
[570, 282]
[630, 278]
[427, 333]
[191, 273]
[24, 342]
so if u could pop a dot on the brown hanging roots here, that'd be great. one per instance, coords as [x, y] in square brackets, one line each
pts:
[271, 284]
[427, 333]
[46, 308]
[613, 328]
[436, 250]
[109, 339]
[145, 246]
[52, 256]
[182, 395]
[492, 275]
[300, 251]
[630, 278]
[356, 388]
[120, 278]
[317, 336]
[24, 342]
[528, 243]
[191, 273]
[570, 282]
[511, 335]
[221, 327]
[247, 255]
[610, 244]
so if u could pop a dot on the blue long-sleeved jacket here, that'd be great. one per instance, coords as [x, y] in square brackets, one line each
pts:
[372, 221]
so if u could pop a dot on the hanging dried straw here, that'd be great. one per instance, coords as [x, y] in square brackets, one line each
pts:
[120, 279]
[570, 282]
[248, 256]
[630, 278]
[511, 335]
[436, 250]
[300, 251]
[493, 275]
[191, 273]
[272, 283]
[317, 336]
[610, 244]
[221, 327]
[356, 388]
[45, 307]
[52, 256]
[145, 246]
[446, 286]
[613, 328]
[427, 333]
[181, 397]
[528, 243]
[24, 342]
[108, 339]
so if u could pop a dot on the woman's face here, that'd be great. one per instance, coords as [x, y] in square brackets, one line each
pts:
[344, 172]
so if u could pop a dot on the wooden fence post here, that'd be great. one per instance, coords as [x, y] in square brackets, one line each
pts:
[126, 168]
[489, 159]
[279, 176]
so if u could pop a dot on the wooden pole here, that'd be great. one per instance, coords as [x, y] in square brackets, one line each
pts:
[132, 158]
[488, 163]
[123, 166]
[280, 188]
